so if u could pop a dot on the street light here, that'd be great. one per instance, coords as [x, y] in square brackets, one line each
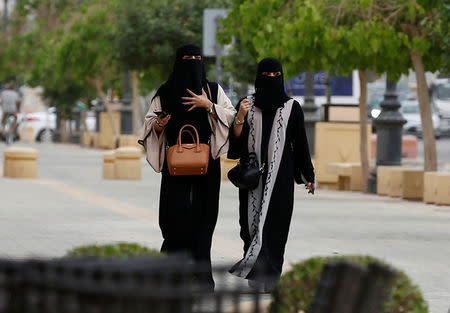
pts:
[310, 110]
[389, 125]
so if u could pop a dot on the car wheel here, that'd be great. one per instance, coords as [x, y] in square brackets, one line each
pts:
[45, 135]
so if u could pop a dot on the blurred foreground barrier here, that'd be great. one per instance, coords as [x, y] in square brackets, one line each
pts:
[170, 284]
[20, 162]
[335, 142]
[144, 284]
[127, 164]
[348, 288]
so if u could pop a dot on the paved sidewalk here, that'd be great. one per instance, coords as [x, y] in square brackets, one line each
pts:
[70, 205]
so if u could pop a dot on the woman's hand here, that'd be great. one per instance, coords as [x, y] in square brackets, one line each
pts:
[197, 101]
[160, 123]
[245, 106]
[311, 187]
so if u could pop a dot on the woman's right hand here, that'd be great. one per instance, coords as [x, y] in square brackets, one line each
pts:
[245, 106]
[163, 121]
[160, 123]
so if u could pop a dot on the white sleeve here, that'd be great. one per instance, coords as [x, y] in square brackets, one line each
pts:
[225, 113]
[154, 143]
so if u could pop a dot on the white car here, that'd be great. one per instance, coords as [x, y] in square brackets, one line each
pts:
[44, 123]
[440, 98]
[411, 113]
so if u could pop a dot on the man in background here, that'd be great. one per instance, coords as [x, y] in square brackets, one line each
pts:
[10, 102]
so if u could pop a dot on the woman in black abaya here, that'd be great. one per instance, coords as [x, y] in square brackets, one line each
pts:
[188, 205]
[272, 126]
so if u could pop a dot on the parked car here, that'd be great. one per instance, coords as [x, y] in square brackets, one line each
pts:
[440, 98]
[44, 123]
[411, 113]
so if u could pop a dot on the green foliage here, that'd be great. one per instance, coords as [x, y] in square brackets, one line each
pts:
[86, 49]
[70, 42]
[297, 288]
[119, 250]
[440, 34]
[339, 36]
[149, 32]
[240, 65]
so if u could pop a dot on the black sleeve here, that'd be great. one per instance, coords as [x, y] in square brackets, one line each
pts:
[303, 165]
[238, 145]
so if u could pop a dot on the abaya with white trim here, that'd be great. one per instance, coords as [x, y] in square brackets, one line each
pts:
[275, 125]
[189, 205]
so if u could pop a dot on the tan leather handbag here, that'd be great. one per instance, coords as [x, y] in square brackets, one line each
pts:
[188, 158]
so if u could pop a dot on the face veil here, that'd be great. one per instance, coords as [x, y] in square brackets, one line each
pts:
[270, 93]
[186, 74]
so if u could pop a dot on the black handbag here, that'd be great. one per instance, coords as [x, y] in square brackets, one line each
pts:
[247, 173]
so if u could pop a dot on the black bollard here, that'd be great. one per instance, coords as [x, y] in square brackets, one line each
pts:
[389, 125]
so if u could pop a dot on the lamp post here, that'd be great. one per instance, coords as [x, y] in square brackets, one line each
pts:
[310, 110]
[389, 125]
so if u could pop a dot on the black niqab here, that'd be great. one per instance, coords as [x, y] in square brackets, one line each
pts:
[270, 93]
[186, 74]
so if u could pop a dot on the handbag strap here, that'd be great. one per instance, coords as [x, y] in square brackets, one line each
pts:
[209, 92]
[196, 139]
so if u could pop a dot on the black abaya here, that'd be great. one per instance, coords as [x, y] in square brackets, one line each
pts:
[189, 205]
[296, 167]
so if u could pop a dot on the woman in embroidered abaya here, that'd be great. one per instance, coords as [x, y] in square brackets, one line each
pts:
[271, 125]
[188, 205]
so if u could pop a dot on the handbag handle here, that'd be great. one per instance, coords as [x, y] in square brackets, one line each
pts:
[196, 139]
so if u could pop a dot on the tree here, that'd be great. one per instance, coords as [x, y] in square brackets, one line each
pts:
[29, 52]
[149, 32]
[419, 22]
[308, 35]
[86, 50]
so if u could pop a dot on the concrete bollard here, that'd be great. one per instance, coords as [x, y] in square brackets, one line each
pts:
[396, 182]
[86, 139]
[430, 187]
[94, 137]
[226, 165]
[128, 163]
[109, 158]
[413, 182]
[443, 188]
[130, 141]
[27, 133]
[20, 162]
[384, 179]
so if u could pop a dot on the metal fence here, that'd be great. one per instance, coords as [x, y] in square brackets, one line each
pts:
[157, 285]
